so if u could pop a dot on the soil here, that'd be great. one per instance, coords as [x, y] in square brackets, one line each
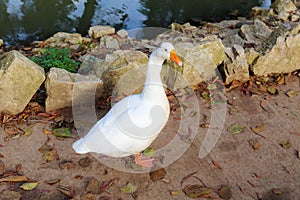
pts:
[263, 165]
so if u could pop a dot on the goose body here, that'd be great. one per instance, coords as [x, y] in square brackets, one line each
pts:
[134, 122]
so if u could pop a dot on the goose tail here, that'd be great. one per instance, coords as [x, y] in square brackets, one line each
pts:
[80, 147]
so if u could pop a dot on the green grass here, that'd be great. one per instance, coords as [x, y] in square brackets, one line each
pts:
[59, 58]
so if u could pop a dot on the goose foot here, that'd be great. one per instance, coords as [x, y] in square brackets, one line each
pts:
[144, 162]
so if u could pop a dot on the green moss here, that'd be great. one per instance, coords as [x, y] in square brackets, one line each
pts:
[59, 58]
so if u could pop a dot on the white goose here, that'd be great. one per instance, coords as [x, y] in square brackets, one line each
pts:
[133, 123]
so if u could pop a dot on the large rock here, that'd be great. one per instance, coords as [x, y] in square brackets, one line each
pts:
[236, 65]
[201, 59]
[65, 89]
[20, 78]
[123, 61]
[283, 8]
[63, 40]
[99, 31]
[256, 33]
[283, 57]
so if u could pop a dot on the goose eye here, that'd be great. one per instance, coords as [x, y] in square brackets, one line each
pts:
[165, 50]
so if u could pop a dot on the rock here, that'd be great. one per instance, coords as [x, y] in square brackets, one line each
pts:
[236, 65]
[1, 42]
[122, 34]
[20, 78]
[283, 57]
[125, 61]
[294, 18]
[99, 31]
[109, 42]
[65, 89]
[283, 8]
[63, 39]
[256, 33]
[232, 40]
[200, 60]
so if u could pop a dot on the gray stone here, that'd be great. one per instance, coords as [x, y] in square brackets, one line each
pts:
[122, 34]
[126, 61]
[236, 65]
[256, 33]
[109, 42]
[20, 78]
[232, 40]
[99, 31]
[283, 57]
[200, 60]
[283, 8]
[65, 89]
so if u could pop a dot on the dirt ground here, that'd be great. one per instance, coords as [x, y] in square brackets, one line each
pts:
[264, 166]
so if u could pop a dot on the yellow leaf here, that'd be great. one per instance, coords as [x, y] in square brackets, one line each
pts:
[29, 186]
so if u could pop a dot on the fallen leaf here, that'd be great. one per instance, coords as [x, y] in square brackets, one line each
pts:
[277, 191]
[280, 80]
[65, 190]
[235, 128]
[292, 93]
[197, 191]
[2, 168]
[18, 168]
[45, 148]
[14, 178]
[272, 90]
[93, 186]
[211, 86]
[158, 174]
[148, 152]
[50, 155]
[225, 192]
[66, 164]
[45, 131]
[295, 133]
[216, 164]
[258, 129]
[28, 131]
[175, 192]
[205, 95]
[286, 144]
[255, 144]
[29, 186]
[62, 132]
[52, 181]
[106, 184]
[129, 188]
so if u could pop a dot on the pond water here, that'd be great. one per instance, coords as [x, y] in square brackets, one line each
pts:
[23, 21]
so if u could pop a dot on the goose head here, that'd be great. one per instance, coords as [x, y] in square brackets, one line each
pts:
[166, 51]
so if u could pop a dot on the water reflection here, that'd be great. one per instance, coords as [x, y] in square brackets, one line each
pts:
[28, 20]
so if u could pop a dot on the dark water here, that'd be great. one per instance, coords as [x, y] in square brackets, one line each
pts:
[23, 21]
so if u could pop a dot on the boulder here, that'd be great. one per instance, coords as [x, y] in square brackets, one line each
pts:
[283, 57]
[99, 31]
[236, 65]
[20, 78]
[283, 8]
[123, 61]
[122, 34]
[255, 33]
[63, 39]
[65, 89]
[201, 59]
[109, 42]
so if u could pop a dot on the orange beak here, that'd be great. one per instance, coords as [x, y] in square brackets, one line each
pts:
[174, 58]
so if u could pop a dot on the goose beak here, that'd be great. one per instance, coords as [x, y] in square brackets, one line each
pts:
[174, 58]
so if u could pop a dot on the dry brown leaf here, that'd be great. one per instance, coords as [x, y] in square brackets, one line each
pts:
[197, 191]
[45, 131]
[216, 164]
[14, 178]
[158, 174]
[65, 190]
[225, 192]
[258, 129]
[52, 181]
